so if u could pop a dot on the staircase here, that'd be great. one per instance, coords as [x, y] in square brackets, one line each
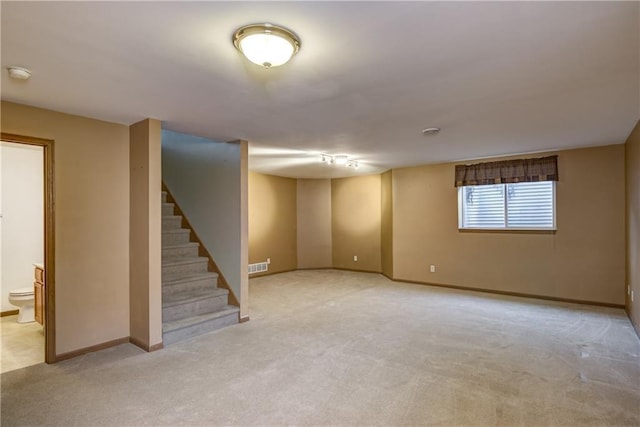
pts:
[192, 302]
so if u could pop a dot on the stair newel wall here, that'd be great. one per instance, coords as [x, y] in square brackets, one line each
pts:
[145, 260]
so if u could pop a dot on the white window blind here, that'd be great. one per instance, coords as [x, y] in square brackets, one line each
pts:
[483, 206]
[523, 206]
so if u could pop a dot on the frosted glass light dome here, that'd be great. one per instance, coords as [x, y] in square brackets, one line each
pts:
[266, 45]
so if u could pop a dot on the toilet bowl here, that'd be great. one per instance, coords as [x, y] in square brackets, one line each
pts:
[23, 299]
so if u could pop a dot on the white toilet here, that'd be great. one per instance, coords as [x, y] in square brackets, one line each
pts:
[23, 299]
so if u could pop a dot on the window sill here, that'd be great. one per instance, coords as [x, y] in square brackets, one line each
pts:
[508, 230]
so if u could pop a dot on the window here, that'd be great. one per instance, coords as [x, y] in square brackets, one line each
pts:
[519, 206]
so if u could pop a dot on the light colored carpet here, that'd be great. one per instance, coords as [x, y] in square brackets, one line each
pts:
[341, 348]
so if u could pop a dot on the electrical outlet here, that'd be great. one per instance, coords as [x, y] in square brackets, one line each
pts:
[268, 260]
[432, 268]
[355, 258]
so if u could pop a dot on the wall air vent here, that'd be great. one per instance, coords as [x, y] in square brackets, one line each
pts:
[259, 267]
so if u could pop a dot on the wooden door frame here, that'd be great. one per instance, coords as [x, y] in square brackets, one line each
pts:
[49, 240]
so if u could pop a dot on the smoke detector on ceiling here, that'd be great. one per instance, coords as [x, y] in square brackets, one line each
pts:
[19, 73]
[430, 131]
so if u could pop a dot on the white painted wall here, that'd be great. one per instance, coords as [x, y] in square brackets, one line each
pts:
[205, 178]
[22, 223]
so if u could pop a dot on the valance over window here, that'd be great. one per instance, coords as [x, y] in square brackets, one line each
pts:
[508, 171]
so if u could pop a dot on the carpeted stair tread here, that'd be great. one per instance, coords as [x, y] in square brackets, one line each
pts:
[194, 320]
[176, 231]
[186, 297]
[182, 278]
[184, 261]
[182, 245]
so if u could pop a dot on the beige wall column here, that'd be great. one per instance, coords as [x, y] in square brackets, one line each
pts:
[632, 155]
[145, 290]
[314, 223]
[244, 230]
[386, 228]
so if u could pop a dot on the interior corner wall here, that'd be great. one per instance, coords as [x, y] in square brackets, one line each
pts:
[145, 290]
[583, 260]
[314, 223]
[356, 222]
[272, 222]
[91, 167]
[386, 219]
[632, 156]
[205, 178]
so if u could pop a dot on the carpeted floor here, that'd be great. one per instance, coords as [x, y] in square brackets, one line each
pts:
[341, 348]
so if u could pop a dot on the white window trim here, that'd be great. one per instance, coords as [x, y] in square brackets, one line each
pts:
[461, 215]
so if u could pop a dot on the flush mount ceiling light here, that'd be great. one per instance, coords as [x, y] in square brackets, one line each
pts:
[339, 159]
[19, 73]
[267, 45]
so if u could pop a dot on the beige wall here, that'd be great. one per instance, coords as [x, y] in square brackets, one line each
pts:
[632, 150]
[91, 222]
[356, 219]
[314, 223]
[583, 260]
[272, 221]
[145, 265]
[386, 228]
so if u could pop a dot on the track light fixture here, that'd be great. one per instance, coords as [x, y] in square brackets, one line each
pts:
[339, 159]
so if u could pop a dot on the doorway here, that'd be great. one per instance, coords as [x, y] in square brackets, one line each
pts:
[49, 237]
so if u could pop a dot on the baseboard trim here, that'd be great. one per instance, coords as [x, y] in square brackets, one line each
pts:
[156, 347]
[270, 273]
[512, 294]
[244, 319]
[357, 271]
[146, 347]
[91, 349]
[9, 313]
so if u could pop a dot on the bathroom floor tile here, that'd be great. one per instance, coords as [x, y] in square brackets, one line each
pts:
[22, 344]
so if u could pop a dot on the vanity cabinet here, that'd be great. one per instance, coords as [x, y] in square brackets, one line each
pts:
[38, 290]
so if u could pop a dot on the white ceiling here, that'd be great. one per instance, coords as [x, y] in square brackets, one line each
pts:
[498, 78]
